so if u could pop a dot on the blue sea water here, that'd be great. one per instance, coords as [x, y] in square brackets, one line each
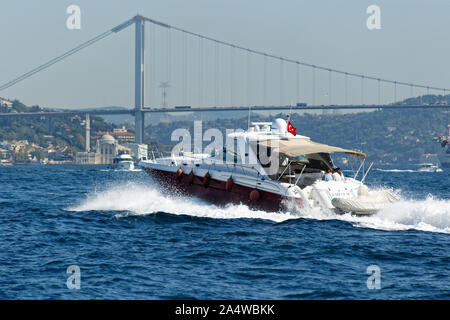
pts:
[132, 240]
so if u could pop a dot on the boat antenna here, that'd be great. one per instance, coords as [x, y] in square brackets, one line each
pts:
[290, 111]
[248, 121]
[289, 117]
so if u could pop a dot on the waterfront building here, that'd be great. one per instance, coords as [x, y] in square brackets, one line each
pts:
[5, 106]
[106, 149]
[138, 151]
[87, 158]
[120, 134]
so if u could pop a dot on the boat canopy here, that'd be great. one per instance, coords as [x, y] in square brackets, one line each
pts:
[298, 147]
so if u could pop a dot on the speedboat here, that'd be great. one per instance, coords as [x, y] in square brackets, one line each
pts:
[122, 161]
[271, 168]
[429, 167]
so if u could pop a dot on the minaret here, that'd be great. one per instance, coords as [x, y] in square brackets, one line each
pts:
[88, 133]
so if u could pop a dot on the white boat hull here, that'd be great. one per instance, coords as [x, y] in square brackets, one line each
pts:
[364, 204]
[124, 165]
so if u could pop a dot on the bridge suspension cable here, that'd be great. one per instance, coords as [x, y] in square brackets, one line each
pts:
[67, 54]
[249, 51]
[313, 66]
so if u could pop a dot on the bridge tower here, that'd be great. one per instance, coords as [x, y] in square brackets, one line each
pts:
[139, 79]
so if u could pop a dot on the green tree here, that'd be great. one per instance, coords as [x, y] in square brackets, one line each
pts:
[38, 153]
[21, 156]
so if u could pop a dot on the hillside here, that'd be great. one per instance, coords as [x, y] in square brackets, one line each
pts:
[387, 136]
[57, 131]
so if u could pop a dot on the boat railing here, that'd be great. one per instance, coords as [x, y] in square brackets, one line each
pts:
[367, 172]
[300, 175]
[243, 168]
[294, 175]
[282, 173]
[214, 162]
[361, 165]
[289, 174]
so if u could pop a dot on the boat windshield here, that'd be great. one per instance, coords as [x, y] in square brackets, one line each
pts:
[122, 159]
[301, 156]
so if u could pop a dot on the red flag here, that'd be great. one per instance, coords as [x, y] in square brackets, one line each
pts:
[291, 129]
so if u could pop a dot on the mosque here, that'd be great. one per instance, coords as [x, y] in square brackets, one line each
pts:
[107, 148]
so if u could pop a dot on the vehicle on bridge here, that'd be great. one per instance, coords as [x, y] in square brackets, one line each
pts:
[182, 107]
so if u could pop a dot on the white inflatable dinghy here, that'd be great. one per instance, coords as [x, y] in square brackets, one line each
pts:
[365, 203]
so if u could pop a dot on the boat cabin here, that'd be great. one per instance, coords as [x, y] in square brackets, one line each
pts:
[283, 156]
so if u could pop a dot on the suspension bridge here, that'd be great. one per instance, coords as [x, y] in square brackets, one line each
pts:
[231, 77]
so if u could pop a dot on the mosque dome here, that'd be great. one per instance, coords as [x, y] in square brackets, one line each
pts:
[108, 139]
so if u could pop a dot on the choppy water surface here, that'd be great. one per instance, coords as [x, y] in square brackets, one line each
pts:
[132, 240]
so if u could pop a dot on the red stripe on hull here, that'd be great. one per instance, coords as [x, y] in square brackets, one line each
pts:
[216, 191]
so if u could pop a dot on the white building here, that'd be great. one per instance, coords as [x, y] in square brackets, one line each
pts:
[87, 158]
[139, 151]
[106, 149]
[5, 106]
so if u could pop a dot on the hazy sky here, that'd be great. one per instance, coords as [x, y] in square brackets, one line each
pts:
[412, 45]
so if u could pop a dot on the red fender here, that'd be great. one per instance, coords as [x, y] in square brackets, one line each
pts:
[179, 174]
[206, 180]
[191, 178]
[229, 184]
[254, 195]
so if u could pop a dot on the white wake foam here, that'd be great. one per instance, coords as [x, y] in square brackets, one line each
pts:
[425, 215]
[122, 170]
[396, 170]
[141, 199]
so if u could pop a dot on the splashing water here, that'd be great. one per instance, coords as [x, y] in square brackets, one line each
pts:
[431, 214]
[424, 215]
[142, 199]
[396, 170]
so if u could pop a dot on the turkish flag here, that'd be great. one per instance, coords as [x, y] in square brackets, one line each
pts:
[291, 129]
